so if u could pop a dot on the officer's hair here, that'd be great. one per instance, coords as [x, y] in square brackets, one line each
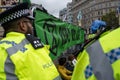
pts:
[70, 57]
[11, 26]
[62, 61]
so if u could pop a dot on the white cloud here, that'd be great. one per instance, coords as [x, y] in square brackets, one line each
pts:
[52, 6]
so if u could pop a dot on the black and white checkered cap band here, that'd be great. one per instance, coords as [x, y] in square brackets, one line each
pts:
[15, 15]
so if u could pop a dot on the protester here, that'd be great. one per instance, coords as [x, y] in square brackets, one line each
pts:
[65, 73]
[100, 59]
[72, 59]
[71, 62]
[96, 28]
[23, 56]
[69, 66]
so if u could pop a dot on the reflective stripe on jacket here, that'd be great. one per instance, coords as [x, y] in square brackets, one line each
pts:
[20, 61]
[101, 60]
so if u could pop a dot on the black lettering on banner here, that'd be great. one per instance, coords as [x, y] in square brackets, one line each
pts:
[75, 34]
[62, 34]
[78, 35]
[50, 26]
[66, 34]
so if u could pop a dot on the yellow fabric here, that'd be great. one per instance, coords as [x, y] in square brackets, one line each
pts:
[108, 42]
[83, 61]
[48, 47]
[64, 72]
[90, 36]
[30, 65]
[105, 33]
[113, 40]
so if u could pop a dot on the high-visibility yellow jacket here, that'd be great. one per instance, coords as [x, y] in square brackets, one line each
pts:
[20, 61]
[100, 60]
[90, 36]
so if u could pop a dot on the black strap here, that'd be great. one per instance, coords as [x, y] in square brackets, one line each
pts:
[36, 42]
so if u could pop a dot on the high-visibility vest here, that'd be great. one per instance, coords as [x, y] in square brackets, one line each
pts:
[100, 60]
[20, 61]
[90, 36]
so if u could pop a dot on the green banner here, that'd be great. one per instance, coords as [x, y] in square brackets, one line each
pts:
[56, 33]
[26, 1]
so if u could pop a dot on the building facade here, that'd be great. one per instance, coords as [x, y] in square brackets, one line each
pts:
[63, 14]
[92, 10]
[9, 2]
[69, 14]
[119, 13]
[5, 4]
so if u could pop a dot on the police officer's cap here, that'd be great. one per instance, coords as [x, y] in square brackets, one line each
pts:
[16, 12]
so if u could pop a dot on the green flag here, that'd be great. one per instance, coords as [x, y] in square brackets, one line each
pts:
[26, 1]
[56, 33]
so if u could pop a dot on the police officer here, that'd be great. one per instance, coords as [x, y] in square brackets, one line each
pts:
[23, 56]
[96, 27]
[100, 60]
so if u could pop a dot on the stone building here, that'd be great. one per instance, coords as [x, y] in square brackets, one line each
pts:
[69, 14]
[9, 2]
[92, 10]
[63, 14]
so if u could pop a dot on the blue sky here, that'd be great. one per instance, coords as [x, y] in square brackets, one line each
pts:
[52, 6]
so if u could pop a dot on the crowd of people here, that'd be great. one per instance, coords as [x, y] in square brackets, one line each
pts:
[24, 57]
